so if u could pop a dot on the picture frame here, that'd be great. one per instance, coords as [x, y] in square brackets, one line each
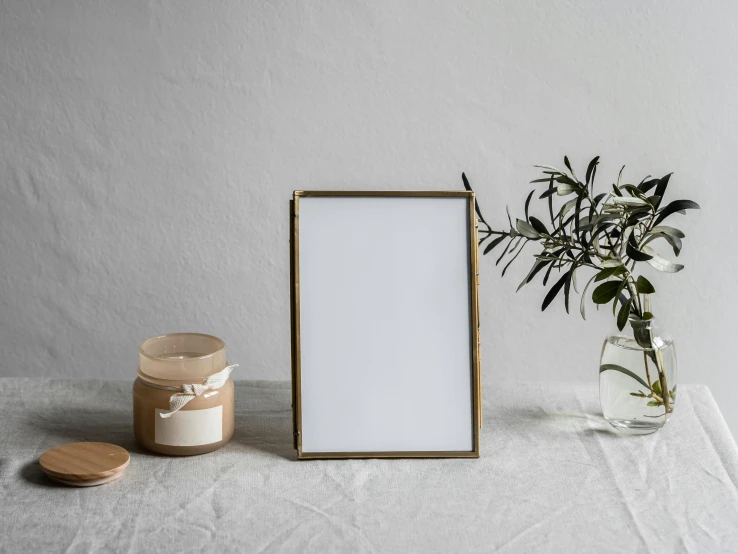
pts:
[383, 368]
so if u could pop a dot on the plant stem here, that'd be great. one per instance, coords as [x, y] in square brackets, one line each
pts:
[633, 292]
[648, 373]
[652, 351]
[662, 379]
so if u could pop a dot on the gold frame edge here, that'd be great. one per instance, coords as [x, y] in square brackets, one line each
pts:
[295, 327]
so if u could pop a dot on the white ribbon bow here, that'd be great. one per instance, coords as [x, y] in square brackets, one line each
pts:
[178, 400]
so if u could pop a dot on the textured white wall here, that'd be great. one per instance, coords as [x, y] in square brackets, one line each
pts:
[148, 150]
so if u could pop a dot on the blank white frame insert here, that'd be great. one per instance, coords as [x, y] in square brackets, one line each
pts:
[385, 324]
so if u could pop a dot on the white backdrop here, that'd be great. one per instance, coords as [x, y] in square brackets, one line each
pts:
[148, 150]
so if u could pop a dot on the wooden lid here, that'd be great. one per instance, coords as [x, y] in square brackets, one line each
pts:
[79, 462]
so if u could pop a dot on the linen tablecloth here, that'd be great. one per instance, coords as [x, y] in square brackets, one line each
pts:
[552, 477]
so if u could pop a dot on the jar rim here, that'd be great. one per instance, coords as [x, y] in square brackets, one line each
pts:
[160, 359]
[163, 382]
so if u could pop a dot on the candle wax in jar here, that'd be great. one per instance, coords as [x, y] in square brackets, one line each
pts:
[180, 356]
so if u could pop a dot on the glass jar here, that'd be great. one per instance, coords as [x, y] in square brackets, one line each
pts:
[183, 396]
[638, 372]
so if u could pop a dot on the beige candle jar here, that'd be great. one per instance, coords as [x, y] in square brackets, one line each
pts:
[183, 396]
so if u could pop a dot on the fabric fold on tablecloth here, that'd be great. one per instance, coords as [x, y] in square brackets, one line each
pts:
[552, 477]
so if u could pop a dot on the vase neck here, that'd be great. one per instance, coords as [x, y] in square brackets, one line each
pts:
[643, 331]
[642, 323]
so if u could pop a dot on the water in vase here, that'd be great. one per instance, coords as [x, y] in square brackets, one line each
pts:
[626, 369]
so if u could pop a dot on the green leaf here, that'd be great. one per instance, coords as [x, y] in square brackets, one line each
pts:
[675, 206]
[633, 190]
[611, 263]
[467, 186]
[623, 314]
[552, 256]
[584, 296]
[624, 238]
[548, 273]
[661, 188]
[619, 296]
[609, 272]
[567, 286]
[554, 291]
[538, 266]
[600, 228]
[568, 165]
[577, 209]
[658, 262]
[494, 243]
[647, 316]
[574, 278]
[566, 208]
[565, 189]
[645, 186]
[605, 292]
[656, 387]
[547, 193]
[592, 182]
[526, 229]
[621, 369]
[628, 201]
[671, 231]
[633, 252]
[654, 201]
[591, 167]
[507, 249]
[654, 403]
[549, 167]
[514, 258]
[527, 203]
[644, 286]
[538, 225]
[674, 242]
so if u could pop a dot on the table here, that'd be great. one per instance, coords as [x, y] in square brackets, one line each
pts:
[552, 477]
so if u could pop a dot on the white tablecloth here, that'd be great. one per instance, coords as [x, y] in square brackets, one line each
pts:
[552, 478]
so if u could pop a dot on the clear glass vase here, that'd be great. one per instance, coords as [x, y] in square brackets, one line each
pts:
[638, 372]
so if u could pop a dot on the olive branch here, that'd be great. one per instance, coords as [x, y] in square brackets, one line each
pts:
[609, 232]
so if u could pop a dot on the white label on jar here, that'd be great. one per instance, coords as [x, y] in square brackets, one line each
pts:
[189, 427]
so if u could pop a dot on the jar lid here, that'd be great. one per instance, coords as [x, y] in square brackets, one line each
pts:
[85, 464]
[182, 357]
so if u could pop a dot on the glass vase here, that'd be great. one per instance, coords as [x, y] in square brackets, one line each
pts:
[638, 372]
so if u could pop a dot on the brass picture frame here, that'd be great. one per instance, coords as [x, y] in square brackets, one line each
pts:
[476, 399]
